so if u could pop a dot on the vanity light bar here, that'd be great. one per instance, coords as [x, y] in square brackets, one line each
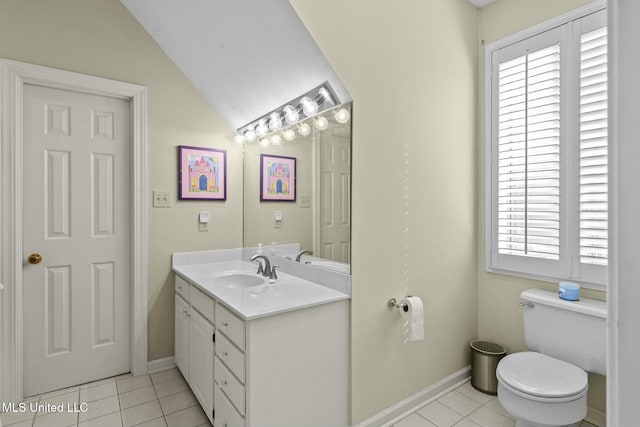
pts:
[316, 101]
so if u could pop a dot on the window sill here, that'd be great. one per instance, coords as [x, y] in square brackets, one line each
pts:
[583, 284]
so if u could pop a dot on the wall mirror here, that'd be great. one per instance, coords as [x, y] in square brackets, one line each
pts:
[313, 157]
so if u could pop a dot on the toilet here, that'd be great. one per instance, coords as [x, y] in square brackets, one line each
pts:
[547, 386]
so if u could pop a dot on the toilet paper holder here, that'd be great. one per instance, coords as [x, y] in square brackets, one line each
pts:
[393, 305]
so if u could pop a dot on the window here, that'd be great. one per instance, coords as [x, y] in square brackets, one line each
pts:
[547, 150]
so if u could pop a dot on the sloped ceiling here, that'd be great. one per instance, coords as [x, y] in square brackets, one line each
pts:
[246, 57]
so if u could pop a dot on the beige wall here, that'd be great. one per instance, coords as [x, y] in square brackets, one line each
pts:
[99, 37]
[499, 316]
[411, 69]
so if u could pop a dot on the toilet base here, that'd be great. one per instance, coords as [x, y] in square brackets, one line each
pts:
[522, 423]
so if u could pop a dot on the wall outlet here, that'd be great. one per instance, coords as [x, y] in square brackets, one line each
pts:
[305, 201]
[161, 199]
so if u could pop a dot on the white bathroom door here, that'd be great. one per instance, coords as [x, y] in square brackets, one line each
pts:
[76, 234]
[335, 194]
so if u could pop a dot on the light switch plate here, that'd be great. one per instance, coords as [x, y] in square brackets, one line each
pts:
[305, 201]
[161, 199]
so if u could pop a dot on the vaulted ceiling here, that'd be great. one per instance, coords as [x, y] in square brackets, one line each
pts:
[246, 57]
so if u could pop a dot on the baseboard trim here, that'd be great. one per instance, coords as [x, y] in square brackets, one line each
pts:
[406, 406]
[158, 365]
[596, 417]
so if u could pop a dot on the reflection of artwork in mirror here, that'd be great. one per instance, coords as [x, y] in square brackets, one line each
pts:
[203, 173]
[277, 178]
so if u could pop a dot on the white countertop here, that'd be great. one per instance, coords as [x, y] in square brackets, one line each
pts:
[287, 294]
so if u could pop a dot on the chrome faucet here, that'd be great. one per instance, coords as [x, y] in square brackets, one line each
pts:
[302, 253]
[264, 270]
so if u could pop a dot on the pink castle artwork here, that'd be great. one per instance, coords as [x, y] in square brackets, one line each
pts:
[278, 178]
[203, 174]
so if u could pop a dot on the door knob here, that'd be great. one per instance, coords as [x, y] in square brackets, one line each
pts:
[35, 258]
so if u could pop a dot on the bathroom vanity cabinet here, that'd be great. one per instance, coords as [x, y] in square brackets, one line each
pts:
[194, 342]
[288, 368]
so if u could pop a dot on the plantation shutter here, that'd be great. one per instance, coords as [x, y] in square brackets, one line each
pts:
[593, 147]
[529, 154]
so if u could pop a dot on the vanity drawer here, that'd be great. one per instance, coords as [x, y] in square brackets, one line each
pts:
[201, 302]
[229, 385]
[230, 325]
[182, 287]
[226, 414]
[230, 356]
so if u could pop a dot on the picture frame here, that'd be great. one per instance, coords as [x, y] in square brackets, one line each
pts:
[202, 173]
[277, 178]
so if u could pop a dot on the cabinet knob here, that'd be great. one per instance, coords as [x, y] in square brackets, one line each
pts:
[225, 324]
[179, 287]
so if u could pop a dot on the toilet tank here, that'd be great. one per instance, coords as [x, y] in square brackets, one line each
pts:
[573, 331]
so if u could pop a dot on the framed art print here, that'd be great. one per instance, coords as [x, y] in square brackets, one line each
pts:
[203, 173]
[277, 178]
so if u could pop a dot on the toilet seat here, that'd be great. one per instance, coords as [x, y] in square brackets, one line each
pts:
[542, 378]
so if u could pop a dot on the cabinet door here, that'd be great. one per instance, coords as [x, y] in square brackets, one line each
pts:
[201, 353]
[182, 335]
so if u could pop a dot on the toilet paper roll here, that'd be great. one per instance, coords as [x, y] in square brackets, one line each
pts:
[415, 312]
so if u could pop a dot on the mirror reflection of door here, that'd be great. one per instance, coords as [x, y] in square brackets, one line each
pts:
[334, 190]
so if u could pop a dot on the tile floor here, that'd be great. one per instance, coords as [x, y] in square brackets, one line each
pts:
[462, 407]
[162, 399]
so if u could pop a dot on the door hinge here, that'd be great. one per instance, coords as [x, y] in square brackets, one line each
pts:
[213, 414]
[213, 337]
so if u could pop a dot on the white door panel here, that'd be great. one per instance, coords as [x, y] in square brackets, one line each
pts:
[335, 194]
[77, 214]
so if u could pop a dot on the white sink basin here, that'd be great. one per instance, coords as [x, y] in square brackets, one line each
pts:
[238, 280]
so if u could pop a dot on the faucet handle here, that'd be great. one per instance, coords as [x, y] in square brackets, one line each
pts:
[273, 275]
[260, 267]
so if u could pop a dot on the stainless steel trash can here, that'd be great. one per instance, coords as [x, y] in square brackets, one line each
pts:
[485, 356]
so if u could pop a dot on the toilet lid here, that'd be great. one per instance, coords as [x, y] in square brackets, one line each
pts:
[541, 375]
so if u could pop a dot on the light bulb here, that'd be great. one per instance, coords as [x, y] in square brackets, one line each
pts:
[304, 129]
[289, 135]
[342, 116]
[324, 93]
[250, 135]
[291, 114]
[309, 106]
[275, 121]
[321, 123]
[264, 142]
[276, 140]
[261, 128]
[239, 139]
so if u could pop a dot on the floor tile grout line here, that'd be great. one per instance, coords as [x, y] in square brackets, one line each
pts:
[158, 399]
[119, 406]
[78, 403]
